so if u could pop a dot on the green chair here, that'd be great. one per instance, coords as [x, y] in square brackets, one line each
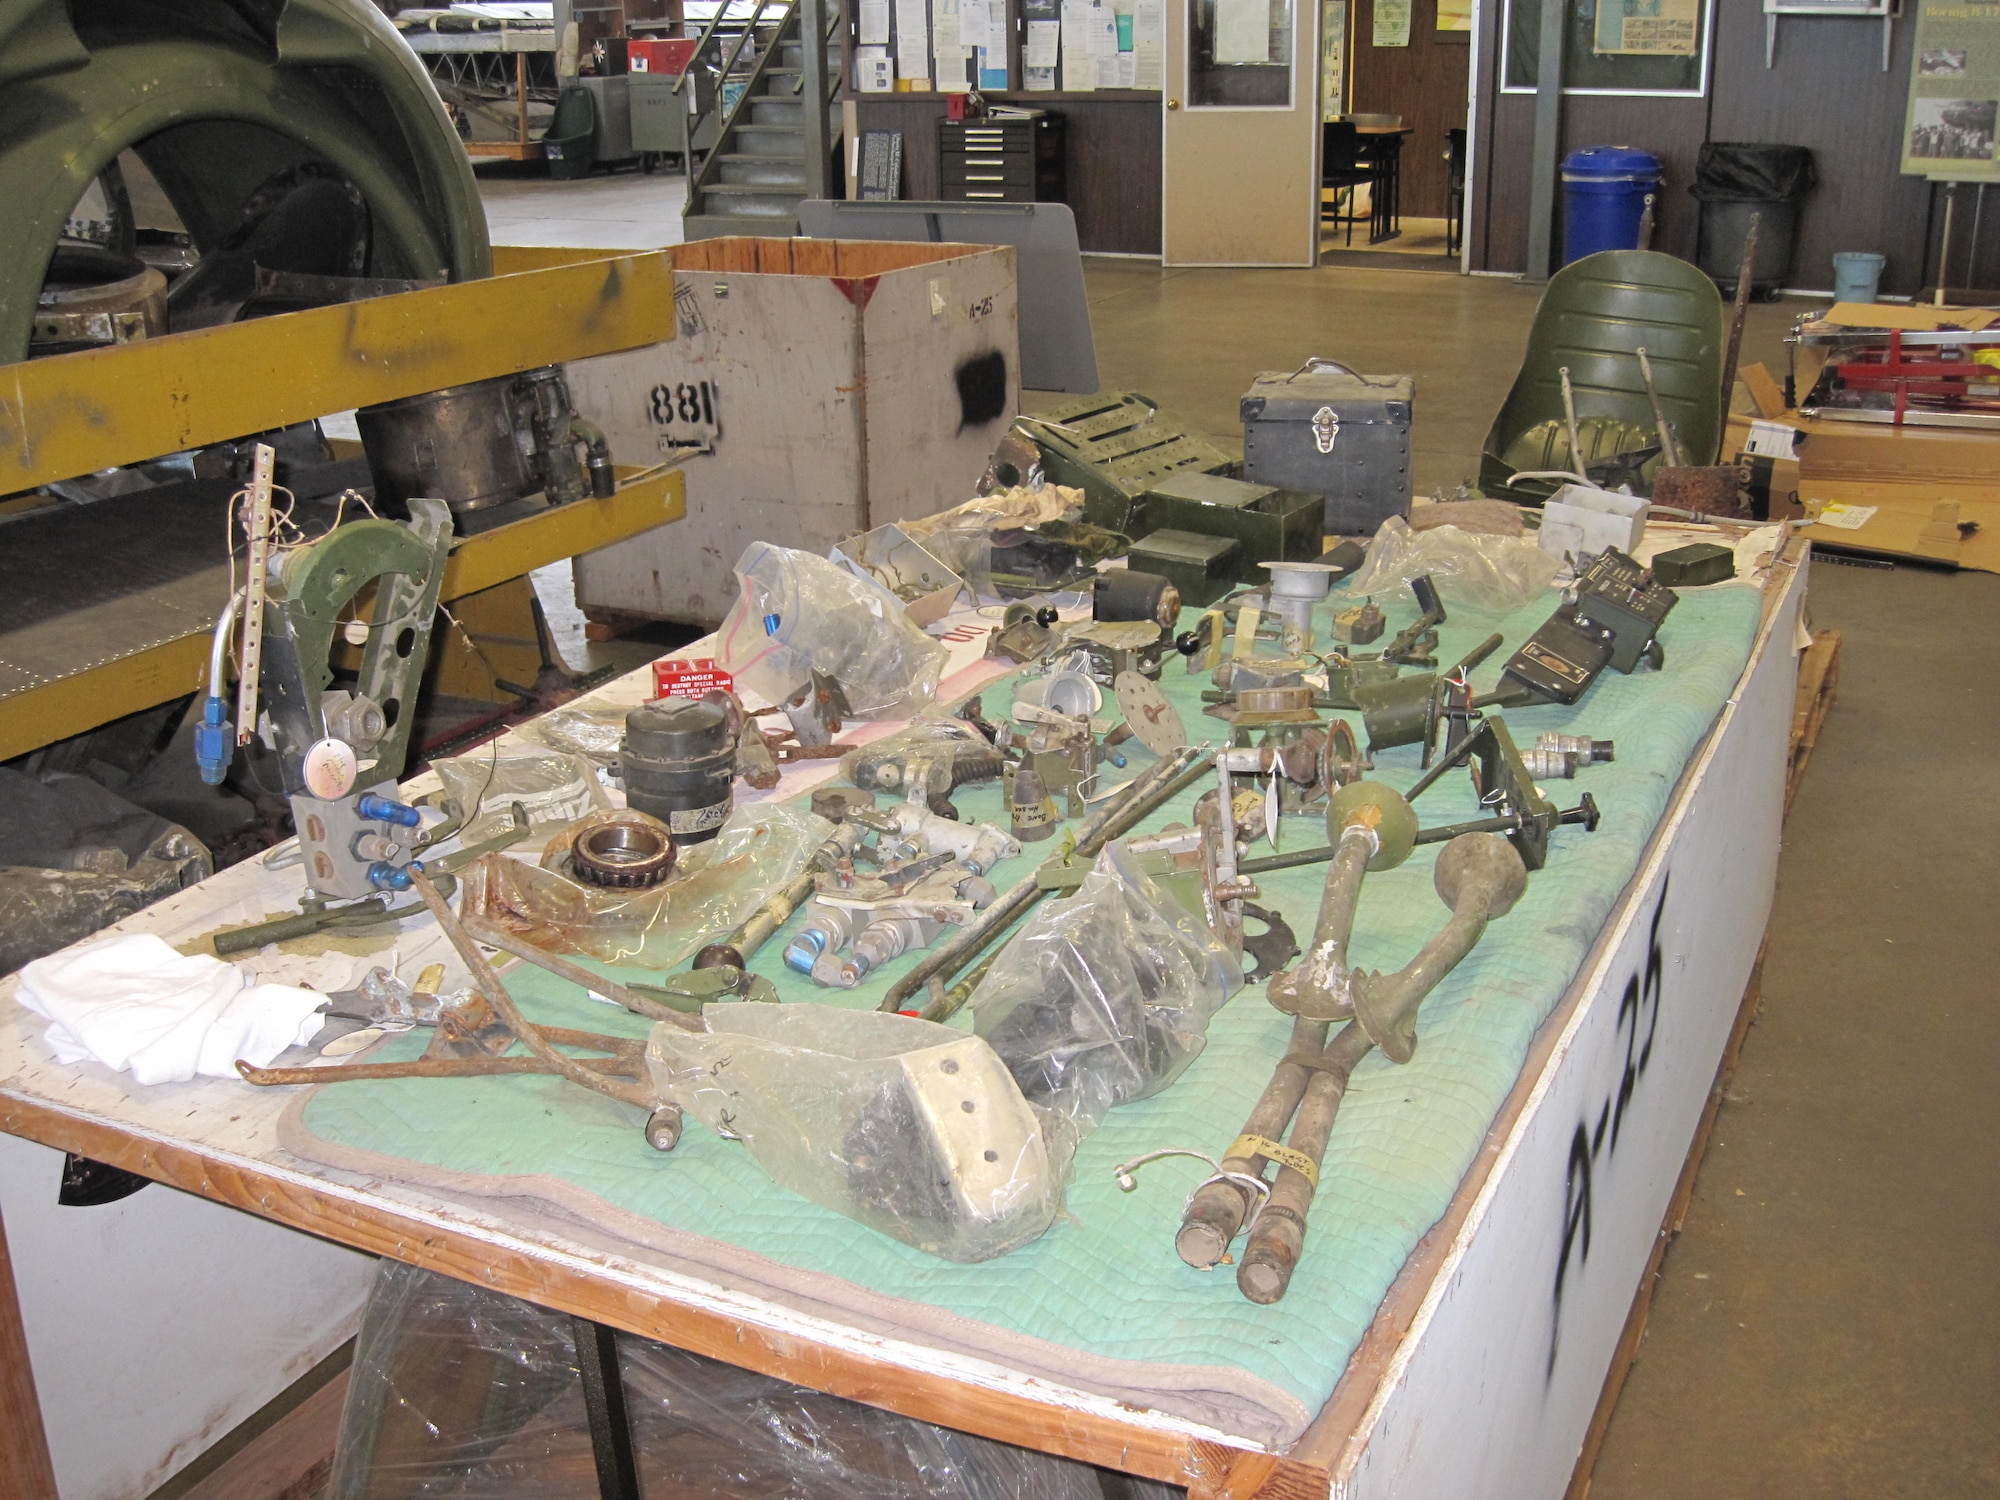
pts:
[1595, 314]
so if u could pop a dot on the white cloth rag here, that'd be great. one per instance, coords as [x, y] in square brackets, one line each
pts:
[132, 1002]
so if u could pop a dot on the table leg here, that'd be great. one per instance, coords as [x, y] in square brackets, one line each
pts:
[26, 1472]
[604, 1405]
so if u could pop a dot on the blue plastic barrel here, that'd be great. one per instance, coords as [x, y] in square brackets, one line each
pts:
[1605, 189]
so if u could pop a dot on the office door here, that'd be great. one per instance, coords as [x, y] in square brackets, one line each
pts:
[1240, 148]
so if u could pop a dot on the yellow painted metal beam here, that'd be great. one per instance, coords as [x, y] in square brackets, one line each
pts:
[57, 709]
[66, 706]
[78, 413]
[479, 562]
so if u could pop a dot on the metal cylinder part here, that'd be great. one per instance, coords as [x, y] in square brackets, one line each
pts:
[827, 930]
[1128, 594]
[678, 761]
[457, 444]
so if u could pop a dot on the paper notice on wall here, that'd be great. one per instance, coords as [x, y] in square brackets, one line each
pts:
[874, 21]
[1392, 23]
[1078, 72]
[913, 38]
[876, 71]
[1243, 31]
[1148, 22]
[1043, 39]
[975, 23]
[1646, 28]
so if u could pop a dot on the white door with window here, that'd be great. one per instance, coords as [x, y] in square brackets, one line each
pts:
[1240, 153]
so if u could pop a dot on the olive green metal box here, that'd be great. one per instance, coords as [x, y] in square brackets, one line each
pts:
[1272, 525]
[1203, 568]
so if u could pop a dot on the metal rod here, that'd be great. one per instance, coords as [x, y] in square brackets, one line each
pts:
[494, 936]
[1483, 878]
[494, 993]
[1670, 453]
[1214, 1215]
[1746, 270]
[1444, 833]
[1165, 780]
[1569, 418]
[1944, 249]
[736, 950]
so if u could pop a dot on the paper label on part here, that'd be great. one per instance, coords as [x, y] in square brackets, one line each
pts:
[1846, 517]
[1771, 439]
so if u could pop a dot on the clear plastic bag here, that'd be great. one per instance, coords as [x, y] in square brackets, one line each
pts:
[1495, 573]
[552, 787]
[797, 612]
[909, 1127]
[594, 733]
[1104, 997]
[463, 1392]
[930, 754]
[713, 888]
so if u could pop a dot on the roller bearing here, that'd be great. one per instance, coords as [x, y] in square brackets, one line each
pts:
[624, 853]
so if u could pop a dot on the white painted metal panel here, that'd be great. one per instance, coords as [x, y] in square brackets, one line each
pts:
[1493, 1387]
[158, 1323]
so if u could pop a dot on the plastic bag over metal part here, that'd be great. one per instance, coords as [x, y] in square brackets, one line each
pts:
[463, 1392]
[713, 888]
[1494, 573]
[597, 734]
[797, 612]
[552, 787]
[909, 1127]
[1104, 997]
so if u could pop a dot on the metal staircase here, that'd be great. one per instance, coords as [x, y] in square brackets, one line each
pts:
[774, 144]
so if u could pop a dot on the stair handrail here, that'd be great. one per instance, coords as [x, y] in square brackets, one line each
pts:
[708, 35]
[801, 19]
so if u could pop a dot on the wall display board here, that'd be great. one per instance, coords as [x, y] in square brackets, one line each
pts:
[1614, 46]
[1332, 58]
[1949, 126]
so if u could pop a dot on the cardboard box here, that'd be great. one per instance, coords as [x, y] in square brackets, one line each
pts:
[824, 387]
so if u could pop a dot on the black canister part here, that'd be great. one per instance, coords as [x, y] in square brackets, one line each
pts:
[678, 761]
[1127, 594]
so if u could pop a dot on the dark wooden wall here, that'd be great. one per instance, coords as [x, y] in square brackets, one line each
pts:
[1426, 83]
[1828, 92]
[1112, 142]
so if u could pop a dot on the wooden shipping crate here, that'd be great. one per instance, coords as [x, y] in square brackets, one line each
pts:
[837, 386]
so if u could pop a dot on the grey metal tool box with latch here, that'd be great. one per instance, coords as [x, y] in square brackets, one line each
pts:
[1326, 430]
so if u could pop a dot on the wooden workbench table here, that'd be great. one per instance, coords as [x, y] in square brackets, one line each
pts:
[1485, 1363]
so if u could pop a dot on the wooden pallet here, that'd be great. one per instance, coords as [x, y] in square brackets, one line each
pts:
[1819, 676]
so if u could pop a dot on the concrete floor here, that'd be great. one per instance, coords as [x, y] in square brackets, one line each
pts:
[1827, 1324]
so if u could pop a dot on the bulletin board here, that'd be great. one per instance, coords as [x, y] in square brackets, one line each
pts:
[1949, 122]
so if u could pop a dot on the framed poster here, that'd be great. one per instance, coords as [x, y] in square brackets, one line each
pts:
[1658, 47]
[1949, 127]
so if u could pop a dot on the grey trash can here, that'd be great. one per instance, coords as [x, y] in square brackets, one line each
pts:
[1734, 180]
